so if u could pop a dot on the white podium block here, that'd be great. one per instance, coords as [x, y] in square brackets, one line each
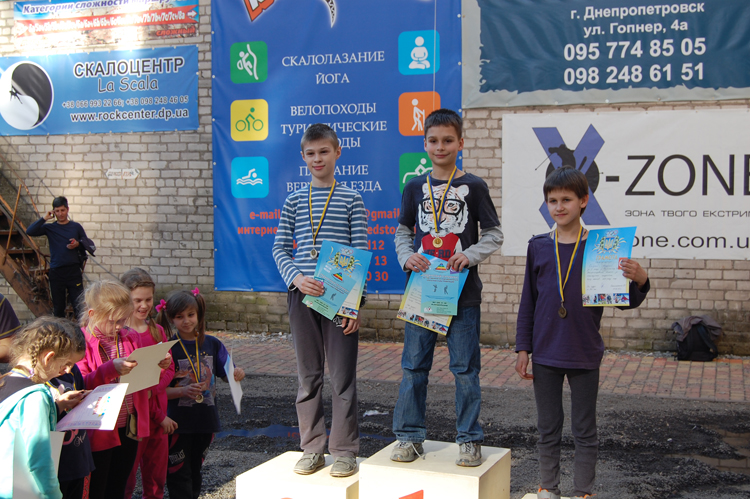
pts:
[275, 479]
[436, 476]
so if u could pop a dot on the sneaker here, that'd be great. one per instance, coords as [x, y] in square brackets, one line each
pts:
[469, 454]
[406, 452]
[309, 463]
[344, 466]
[584, 496]
[546, 494]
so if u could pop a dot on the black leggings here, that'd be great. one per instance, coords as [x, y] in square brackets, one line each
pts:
[113, 467]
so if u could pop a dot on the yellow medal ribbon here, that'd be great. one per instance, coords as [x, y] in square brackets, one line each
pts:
[437, 241]
[562, 312]
[314, 252]
[197, 372]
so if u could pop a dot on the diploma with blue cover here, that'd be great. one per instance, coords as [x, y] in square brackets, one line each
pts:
[427, 290]
[602, 282]
[342, 270]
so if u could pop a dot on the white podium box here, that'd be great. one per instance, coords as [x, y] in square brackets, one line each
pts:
[436, 476]
[275, 479]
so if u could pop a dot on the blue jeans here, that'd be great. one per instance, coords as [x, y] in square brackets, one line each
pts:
[465, 364]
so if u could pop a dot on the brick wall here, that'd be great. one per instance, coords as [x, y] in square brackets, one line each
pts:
[163, 221]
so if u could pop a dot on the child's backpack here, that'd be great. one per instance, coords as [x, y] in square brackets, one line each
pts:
[697, 345]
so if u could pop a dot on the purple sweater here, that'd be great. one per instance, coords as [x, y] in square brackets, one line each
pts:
[570, 343]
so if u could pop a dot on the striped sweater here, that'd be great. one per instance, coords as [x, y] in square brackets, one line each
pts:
[345, 223]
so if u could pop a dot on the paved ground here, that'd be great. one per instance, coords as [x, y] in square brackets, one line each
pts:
[721, 380]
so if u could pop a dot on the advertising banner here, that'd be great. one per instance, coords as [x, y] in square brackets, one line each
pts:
[371, 70]
[120, 91]
[548, 52]
[84, 23]
[681, 177]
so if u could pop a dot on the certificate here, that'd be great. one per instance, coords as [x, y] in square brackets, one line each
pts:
[146, 374]
[440, 289]
[602, 282]
[98, 411]
[411, 304]
[340, 269]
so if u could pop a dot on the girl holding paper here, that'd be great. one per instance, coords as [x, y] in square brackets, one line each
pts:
[108, 307]
[153, 451]
[199, 360]
[43, 350]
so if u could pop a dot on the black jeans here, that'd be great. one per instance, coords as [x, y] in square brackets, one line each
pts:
[66, 285]
[186, 454]
[113, 467]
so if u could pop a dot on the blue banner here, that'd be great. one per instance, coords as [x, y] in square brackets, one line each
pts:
[120, 91]
[371, 70]
[580, 51]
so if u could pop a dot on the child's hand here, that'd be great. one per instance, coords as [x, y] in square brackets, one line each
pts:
[192, 390]
[458, 261]
[522, 364]
[69, 400]
[166, 361]
[417, 263]
[239, 374]
[633, 271]
[124, 366]
[168, 425]
[308, 285]
[350, 325]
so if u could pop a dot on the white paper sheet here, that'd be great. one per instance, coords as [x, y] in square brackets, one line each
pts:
[234, 386]
[146, 373]
[98, 411]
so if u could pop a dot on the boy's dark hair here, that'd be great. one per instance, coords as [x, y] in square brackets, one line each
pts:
[60, 201]
[444, 117]
[319, 131]
[568, 178]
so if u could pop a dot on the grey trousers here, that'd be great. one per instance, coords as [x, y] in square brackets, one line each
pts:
[548, 390]
[315, 339]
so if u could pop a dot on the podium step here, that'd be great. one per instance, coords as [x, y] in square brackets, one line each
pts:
[436, 476]
[275, 479]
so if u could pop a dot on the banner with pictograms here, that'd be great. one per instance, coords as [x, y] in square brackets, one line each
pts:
[371, 70]
[685, 184]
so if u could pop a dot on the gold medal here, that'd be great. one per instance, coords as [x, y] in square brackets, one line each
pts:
[199, 398]
[314, 252]
[437, 214]
[437, 242]
[562, 312]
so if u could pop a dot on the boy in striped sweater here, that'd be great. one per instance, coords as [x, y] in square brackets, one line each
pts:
[327, 211]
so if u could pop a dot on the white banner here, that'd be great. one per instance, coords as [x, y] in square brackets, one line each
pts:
[681, 177]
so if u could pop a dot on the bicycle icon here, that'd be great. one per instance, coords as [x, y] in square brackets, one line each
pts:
[246, 124]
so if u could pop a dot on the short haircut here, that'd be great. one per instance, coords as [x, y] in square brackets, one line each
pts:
[444, 117]
[60, 201]
[568, 178]
[319, 131]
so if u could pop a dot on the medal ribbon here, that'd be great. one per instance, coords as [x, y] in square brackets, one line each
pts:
[560, 283]
[437, 216]
[197, 372]
[325, 209]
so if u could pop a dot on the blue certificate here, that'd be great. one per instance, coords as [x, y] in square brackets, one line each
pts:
[440, 288]
[340, 269]
[602, 282]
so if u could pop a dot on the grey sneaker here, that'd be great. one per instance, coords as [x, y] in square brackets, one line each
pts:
[406, 452]
[469, 454]
[344, 466]
[309, 463]
[584, 496]
[546, 494]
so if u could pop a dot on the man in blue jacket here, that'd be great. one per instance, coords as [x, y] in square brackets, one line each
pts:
[66, 258]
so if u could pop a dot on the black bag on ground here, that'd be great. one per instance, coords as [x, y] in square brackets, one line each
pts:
[697, 345]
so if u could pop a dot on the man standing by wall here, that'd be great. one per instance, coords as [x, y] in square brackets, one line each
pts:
[66, 258]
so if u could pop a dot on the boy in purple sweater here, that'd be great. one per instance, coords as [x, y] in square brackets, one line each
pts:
[562, 335]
